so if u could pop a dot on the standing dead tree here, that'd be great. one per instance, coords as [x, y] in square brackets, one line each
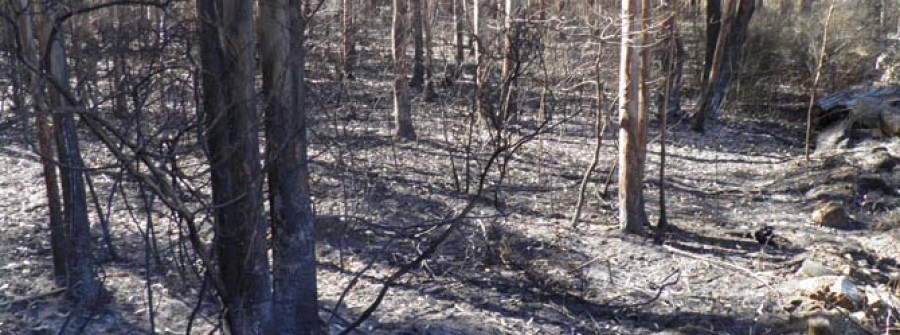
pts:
[673, 62]
[349, 44]
[28, 49]
[83, 286]
[725, 60]
[403, 128]
[509, 69]
[632, 119]
[290, 208]
[231, 135]
[417, 29]
[815, 85]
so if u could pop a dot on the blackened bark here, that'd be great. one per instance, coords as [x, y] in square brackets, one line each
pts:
[510, 68]
[231, 128]
[632, 217]
[737, 36]
[428, 16]
[458, 16]
[30, 52]
[733, 35]
[418, 70]
[402, 108]
[293, 245]
[84, 288]
[349, 52]
[713, 25]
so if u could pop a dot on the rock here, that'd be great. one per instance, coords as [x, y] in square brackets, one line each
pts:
[819, 326]
[830, 192]
[832, 214]
[847, 294]
[867, 112]
[873, 183]
[834, 290]
[835, 136]
[842, 173]
[890, 122]
[811, 268]
[879, 160]
[873, 201]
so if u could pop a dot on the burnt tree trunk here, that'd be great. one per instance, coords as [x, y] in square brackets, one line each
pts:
[726, 62]
[349, 45]
[673, 63]
[632, 217]
[402, 109]
[458, 18]
[416, 26]
[428, 11]
[480, 41]
[293, 246]
[29, 51]
[713, 25]
[509, 70]
[231, 135]
[84, 288]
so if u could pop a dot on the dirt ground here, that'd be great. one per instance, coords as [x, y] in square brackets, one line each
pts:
[516, 265]
[514, 268]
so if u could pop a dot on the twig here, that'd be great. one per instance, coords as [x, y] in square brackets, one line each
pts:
[354, 280]
[659, 291]
[452, 223]
[600, 129]
[727, 265]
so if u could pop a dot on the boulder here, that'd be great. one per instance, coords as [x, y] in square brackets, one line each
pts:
[834, 136]
[868, 110]
[811, 268]
[832, 214]
[879, 160]
[890, 122]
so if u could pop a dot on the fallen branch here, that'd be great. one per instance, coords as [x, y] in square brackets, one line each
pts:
[728, 265]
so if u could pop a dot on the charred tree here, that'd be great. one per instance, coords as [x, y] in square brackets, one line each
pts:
[428, 13]
[713, 26]
[349, 45]
[458, 18]
[673, 63]
[509, 70]
[417, 28]
[725, 63]
[29, 52]
[81, 280]
[226, 52]
[632, 216]
[293, 247]
[482, 108]
[403, 126]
